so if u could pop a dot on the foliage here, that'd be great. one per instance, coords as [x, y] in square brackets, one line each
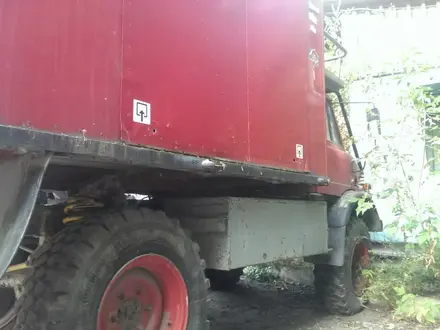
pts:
[261, 273]
[400, 284]
[423, 311]
[271, 271]
[406, 180]
[363, 205]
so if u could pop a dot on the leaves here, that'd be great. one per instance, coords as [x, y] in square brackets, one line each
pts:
[424, 237]
[364, 203]
[400, 291]
[403, 178]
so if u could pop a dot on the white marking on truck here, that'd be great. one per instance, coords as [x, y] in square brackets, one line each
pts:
[141, 112]
[299, 151]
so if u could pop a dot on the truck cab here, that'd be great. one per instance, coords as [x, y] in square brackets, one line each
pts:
[343, 164]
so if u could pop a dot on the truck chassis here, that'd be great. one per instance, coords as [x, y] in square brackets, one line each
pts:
[208, 232]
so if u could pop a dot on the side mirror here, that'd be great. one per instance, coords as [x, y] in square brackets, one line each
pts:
[358, 165]
[373, 119]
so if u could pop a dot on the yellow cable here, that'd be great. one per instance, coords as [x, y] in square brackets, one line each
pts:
[78, 204]
[17, 267]
[81, 204]
[67, 220]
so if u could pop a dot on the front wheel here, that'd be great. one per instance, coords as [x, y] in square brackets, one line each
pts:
[341, 289]
[131, 270]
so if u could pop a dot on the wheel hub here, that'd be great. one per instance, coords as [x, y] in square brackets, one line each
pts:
[129, 313]
[147, 293]
[134, 301]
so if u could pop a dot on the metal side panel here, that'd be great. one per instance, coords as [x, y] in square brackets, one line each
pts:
[118, 153]
[237, 232]
[20, 178]
[267, 230]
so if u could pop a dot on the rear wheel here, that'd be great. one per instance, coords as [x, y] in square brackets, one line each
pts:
[11, 287]
[133, 270]
[341, 289]
[224, 280]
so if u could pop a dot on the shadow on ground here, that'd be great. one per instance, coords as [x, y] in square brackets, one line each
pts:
[279, 306]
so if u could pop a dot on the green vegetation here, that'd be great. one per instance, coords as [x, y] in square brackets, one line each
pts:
[262, 273]
[408, 285]
[401, 284]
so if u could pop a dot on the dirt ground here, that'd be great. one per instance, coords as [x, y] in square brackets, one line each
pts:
[259, 306]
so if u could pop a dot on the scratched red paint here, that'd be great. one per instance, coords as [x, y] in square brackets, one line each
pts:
[225, 78]
[60, 66]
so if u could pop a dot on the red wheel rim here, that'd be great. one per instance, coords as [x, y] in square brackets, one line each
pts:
[360, 262]
[147, 293]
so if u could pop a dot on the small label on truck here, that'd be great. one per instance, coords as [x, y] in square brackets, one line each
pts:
[141, 112]
[299, 151]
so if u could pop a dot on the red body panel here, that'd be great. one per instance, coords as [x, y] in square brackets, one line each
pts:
[282, 95]
[188, 60]
[340, 170]
[224, 78]
[60, 66]
[228, 79]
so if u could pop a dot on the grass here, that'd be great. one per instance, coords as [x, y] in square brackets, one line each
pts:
[402, 285]
[406, 286]
[270, 272]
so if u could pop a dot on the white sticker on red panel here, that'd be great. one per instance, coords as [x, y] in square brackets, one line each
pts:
[141, 112]
[299, 151]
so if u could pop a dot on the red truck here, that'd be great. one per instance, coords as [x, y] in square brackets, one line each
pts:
[217, 111]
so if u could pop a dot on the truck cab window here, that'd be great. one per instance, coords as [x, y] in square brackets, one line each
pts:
[333, 133]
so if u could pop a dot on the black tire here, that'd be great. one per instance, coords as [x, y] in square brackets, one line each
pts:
[7, 308]
[224, 280]
[72, 273]
[334, 286]
[12, 281]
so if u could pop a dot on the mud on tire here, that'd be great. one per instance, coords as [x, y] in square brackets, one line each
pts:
[334, 286]
[71, 275]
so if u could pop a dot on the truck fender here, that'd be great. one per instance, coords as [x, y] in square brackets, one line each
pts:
[20, 177]
[339, 216]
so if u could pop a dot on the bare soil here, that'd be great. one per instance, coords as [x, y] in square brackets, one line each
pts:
[279, 306]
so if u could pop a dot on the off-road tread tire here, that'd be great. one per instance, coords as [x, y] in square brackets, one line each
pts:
[321, 278]
[224, 280]
[10, 326]
[333, 284]
[10, 323]
[56, 269]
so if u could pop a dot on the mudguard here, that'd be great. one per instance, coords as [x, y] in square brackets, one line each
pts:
[20, 181]
[341, 212]
[339, 216]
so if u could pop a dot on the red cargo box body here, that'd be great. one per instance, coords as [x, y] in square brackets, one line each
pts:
[234, 79]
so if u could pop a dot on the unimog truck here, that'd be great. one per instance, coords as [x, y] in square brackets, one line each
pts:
[218, 113]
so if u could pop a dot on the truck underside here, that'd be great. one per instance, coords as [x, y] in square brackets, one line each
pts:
[236, 215]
